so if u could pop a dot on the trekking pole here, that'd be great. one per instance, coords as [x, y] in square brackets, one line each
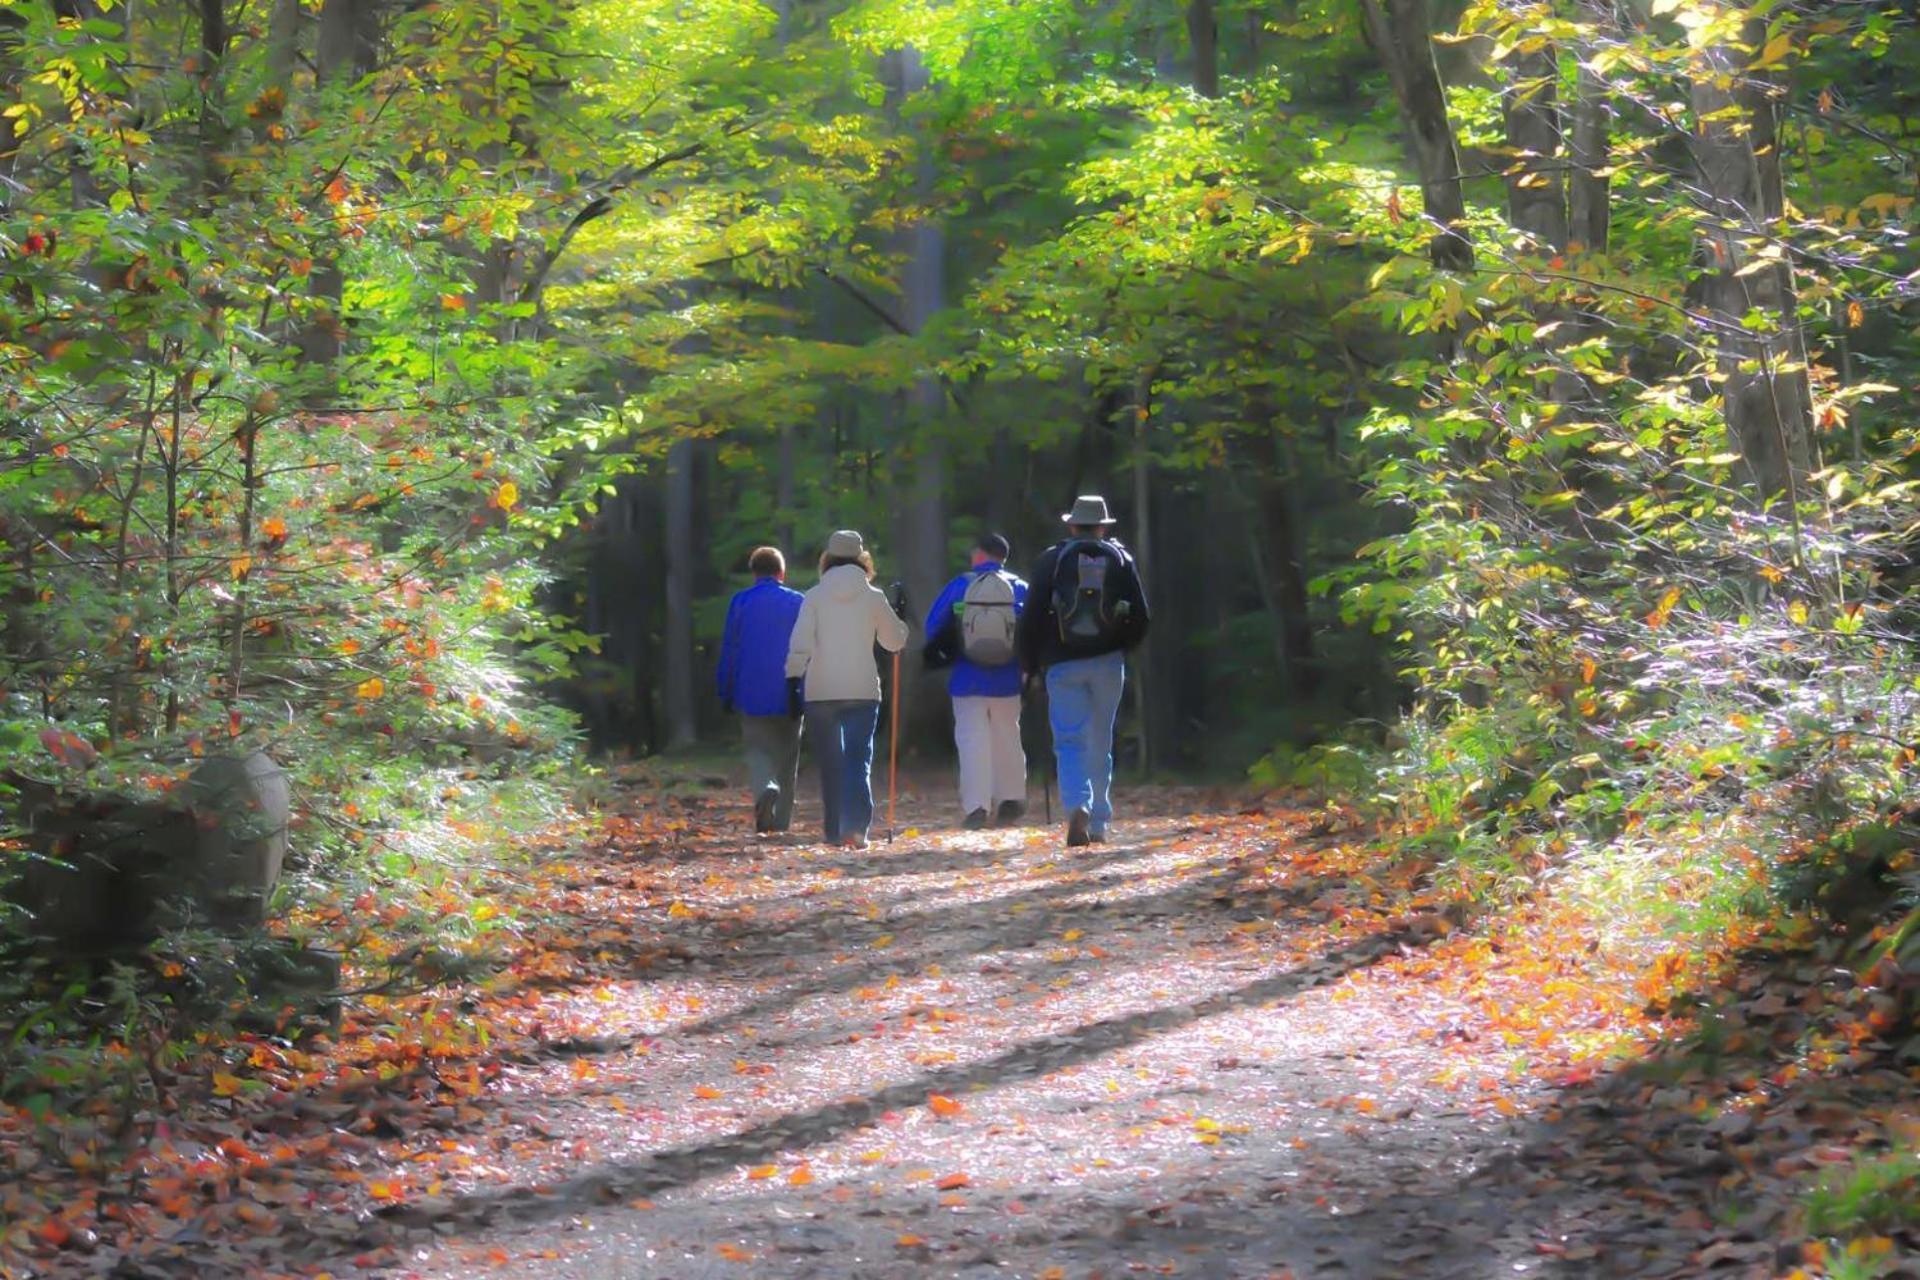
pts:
[893, 747]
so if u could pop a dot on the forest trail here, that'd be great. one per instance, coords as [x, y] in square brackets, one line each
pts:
[975, 1053]
[1230, 1043]
[1199, 1050]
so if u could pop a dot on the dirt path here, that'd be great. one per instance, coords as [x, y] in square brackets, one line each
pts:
[974, 1054]
[1232, 1043]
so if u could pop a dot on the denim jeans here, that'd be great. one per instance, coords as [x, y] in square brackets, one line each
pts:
[840, 733]
[1083, 698]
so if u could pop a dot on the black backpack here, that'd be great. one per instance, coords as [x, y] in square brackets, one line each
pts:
[1089, 600]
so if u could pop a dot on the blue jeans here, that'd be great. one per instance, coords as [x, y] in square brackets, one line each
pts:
[1083, 698]
[840, 733]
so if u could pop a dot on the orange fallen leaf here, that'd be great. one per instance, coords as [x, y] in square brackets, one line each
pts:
[761, 1171]
[800, 1177]
[1053, 1273]
[910, 1241]
[953, 1181]
[942, 1105]
[705, 1091]
[734, 1253]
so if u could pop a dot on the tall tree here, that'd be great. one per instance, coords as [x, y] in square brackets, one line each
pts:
[1748, 287]
[1401, 34]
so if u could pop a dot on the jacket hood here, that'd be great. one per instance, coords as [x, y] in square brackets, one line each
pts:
[844, 582]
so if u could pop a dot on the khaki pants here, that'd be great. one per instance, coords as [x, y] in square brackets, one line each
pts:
[773, 755]
[993, 766]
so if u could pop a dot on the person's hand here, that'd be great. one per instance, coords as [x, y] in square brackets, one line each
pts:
[796, 697]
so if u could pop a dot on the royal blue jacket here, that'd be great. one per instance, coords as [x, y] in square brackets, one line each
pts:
[969, 680]
[753, 651]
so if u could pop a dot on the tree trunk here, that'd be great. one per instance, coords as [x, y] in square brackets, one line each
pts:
[1400, 34]
[1762, 370]
[683, 725]
[1589, 210]
[1203, 33]
[1536, 190]
[345, 46]
[1143, 553]
[921, 525]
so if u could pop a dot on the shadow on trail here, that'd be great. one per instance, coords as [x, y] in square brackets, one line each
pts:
[1017, 921]
[686, 1165]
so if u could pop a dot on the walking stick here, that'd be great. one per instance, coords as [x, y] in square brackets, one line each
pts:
[893, 747]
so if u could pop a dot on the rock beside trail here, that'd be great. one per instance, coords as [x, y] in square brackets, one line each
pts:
[108, 871]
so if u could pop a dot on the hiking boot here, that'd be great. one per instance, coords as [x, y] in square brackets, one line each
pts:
[1097, 837]
[763, 806]
[976, 821]
[1009, 813]
[1077, 829]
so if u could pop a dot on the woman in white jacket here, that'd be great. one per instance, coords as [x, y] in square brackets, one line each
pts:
[831, 657]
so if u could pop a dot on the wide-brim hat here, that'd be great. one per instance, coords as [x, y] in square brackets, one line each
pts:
[846, 543]
[1088, 508]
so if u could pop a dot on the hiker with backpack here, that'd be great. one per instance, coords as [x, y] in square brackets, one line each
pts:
[831, 673]
[1088, 608]
[752, 680]
[974, 626]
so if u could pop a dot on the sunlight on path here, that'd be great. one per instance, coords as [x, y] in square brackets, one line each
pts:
[972, 1053]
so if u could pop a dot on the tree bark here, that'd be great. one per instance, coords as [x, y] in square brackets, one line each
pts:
[1536, 190]
[1400, 33]
[683, 725]
[1762, 368]
[345, 46]
[921, 525]
[1203, 33]
[1589, 197]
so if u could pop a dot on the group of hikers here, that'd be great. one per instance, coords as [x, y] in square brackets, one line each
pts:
[791, 663]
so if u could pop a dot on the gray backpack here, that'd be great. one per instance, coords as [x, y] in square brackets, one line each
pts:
[987, 619]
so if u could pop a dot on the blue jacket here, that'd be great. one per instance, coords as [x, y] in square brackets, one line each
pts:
[969, 680]
[753, 651]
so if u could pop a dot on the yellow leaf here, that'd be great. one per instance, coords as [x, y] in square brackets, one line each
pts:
[226, 1086]
[679, 910]
[1053, 1273]
[761, 1172]
[1073, 935]
[1856, 315]
[239, 566]
[452, 302]
[372, 687]
[1798, 611]
[1775, 52]
[884, 940]
[507, 495]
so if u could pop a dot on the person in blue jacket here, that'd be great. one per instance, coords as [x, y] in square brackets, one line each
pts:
[753, 682]
[986, 695]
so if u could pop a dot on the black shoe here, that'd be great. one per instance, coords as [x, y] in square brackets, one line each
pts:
[976, 821]
[1096, 837]
[763, 807]
[1009, 813]
[1077, 829]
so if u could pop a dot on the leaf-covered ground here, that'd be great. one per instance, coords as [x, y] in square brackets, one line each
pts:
[1226, 1044]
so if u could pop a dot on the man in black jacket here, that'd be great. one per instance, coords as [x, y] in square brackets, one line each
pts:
[1085, 609]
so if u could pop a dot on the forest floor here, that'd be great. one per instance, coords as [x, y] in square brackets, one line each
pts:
[1224, 1045]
